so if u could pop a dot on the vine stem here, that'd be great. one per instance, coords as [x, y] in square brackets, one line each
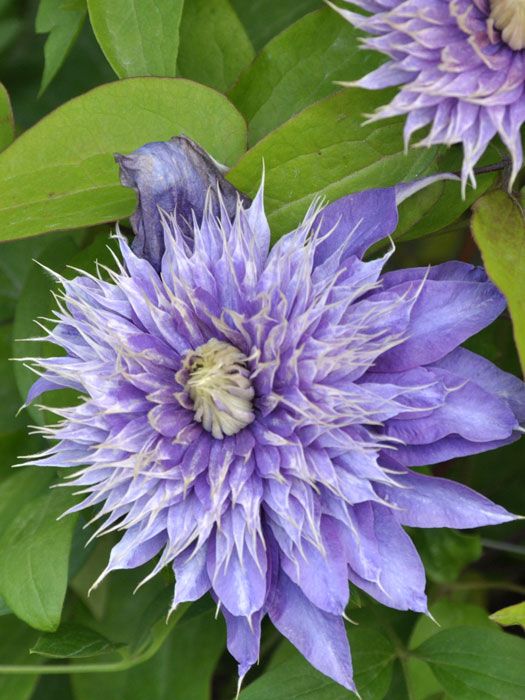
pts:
[485, 585]
[123, 664]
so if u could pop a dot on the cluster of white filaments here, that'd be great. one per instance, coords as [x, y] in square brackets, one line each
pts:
[509, 18]
[217, 381]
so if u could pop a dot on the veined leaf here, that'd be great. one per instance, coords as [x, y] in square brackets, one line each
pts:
[474, 663]
[299, 67]
[326, 150]
[34, 560]
[138, 37]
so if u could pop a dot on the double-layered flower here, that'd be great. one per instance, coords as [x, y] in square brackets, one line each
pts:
[461, 65]
[252, 417]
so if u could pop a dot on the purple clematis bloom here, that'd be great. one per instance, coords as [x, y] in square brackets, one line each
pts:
[462, 67]
[251, 417]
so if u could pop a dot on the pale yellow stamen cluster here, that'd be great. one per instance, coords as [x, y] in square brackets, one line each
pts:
[509, 17]
[217, 381]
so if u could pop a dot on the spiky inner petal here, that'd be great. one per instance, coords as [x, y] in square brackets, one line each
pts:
[217, 381]
[509, 18]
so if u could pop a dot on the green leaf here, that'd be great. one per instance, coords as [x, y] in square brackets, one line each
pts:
[7, 122]
[182, 669]
[512, 615]
[298, 68]
[264, 19]
[62, 20]
[72, 641]
[138, 37]
[326, 150]
[445, 553]
[15, 640]
[61, 173]
[34, 560]
[293, 677]
[447, 613]
[498, 226]
[477, 664]
[24, 486]
[214, 47]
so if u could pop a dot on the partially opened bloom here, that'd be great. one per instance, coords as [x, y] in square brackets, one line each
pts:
[461, 64]
[251, 416]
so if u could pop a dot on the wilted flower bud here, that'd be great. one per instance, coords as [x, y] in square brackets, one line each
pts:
[172, 177]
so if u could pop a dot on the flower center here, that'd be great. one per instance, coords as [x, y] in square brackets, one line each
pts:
[509, 18]
[217, 381]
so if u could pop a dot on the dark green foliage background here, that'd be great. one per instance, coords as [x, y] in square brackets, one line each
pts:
[258, 83]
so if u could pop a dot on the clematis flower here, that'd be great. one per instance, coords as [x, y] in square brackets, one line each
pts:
[461, 65]
[252, 417]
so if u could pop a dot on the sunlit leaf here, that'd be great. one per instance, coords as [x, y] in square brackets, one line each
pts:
[326, 150]
[61, 173]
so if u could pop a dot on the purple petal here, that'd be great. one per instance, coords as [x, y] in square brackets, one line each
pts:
[401, 580]
[455, 301]
[429, 501]
[244, 639]
[355, 223]
[320, 637]
[465, 364]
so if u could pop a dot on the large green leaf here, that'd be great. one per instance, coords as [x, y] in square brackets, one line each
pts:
[290, 676]
[477, 664]
[447, 613]
[7, 124]
[62, 20]
[34, 560]
[498, 226]
[61, 173]
[298, 68]
[214, 47]
[138, 37]
[326, 150]
[264, 19]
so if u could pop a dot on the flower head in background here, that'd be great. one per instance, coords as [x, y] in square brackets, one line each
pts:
[461, 65]
[250, 416]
